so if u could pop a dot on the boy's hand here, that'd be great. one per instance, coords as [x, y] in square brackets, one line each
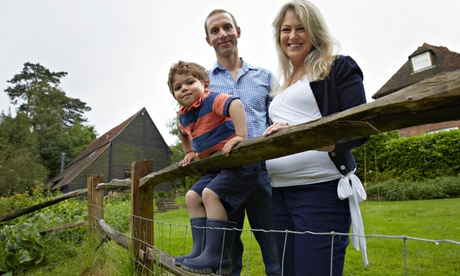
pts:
[189, 157]
[230, 144]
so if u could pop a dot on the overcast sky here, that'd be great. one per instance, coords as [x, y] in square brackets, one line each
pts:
[117, 53]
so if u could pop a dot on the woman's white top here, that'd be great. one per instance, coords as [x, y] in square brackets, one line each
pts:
[297, 105]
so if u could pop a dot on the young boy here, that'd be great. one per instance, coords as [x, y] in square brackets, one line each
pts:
[209, 122]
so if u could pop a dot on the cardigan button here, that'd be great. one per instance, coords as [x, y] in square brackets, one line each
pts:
[342, 167]
[333, 153]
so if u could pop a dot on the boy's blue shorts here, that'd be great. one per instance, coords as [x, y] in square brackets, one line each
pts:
[232, 185]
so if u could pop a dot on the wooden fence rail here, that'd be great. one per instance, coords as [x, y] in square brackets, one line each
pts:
[430, 101]
[42, 205]
[140, 243]
[434, 100]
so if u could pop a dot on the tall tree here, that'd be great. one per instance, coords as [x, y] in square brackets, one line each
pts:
[56, 118]
[36, 92]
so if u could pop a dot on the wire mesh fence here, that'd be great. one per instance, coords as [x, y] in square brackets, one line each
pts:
[388, 254]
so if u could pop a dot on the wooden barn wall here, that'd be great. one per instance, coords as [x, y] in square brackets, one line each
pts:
[100, 166]
[139, 140]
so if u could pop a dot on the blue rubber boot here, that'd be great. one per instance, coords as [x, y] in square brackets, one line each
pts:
[198, 234]
[216, 255]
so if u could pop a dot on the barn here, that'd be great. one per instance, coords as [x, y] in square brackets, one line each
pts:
[111, 155]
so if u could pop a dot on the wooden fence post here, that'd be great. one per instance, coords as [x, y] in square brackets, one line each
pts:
[141, 209]
[95, 203]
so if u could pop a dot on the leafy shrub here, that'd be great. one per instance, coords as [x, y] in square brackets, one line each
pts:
[117, 213]
[19, 201]
[21, 243]
[386, 156]
[393, 189]
[20, 246]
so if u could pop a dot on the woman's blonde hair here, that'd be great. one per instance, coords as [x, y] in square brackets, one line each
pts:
[319, 61]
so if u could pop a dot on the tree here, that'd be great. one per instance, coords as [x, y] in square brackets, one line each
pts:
[20, 162]
[56, 119]
[30, 83]
[36, 92]
[70, 140]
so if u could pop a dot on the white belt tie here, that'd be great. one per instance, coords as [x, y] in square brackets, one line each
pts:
[351, 187]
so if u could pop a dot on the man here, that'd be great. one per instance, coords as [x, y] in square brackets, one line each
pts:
[233, 75]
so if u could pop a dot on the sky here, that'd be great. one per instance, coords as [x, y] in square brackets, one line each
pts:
[117, 53]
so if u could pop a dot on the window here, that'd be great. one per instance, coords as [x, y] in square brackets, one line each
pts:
[421, 62]
[92, 154]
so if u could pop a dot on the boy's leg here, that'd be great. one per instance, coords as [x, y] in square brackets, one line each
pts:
[197, 215]
[225, 193]
[198, 236]
[216, 255]
[213, 206]
[234, 185]
[194, 204]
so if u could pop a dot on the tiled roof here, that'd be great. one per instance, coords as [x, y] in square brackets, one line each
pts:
[443, 61]
[89, 154]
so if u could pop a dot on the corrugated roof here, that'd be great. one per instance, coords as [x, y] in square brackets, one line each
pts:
[443, 61]
[89, 154]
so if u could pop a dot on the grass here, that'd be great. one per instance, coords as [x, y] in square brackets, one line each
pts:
[426, 219]
[110, 259]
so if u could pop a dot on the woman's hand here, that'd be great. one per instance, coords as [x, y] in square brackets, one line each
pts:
[275, 128]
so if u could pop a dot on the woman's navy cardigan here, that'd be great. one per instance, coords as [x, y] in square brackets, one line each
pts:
[341, 90]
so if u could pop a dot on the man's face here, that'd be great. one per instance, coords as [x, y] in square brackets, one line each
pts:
[222, 34]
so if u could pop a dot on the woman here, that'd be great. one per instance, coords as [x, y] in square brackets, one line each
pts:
[309, 187]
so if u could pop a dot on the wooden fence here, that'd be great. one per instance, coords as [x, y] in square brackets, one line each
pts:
[141, 219]
[433, 100]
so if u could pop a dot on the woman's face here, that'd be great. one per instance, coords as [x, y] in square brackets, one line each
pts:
[294, 39]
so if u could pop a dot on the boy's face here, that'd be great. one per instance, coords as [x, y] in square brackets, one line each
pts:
[188, 89]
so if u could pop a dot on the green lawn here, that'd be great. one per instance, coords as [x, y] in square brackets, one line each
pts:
[388, 221]
[425, 219]
[385, 222]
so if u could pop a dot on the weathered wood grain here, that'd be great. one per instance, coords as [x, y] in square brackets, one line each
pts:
[433, 100]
